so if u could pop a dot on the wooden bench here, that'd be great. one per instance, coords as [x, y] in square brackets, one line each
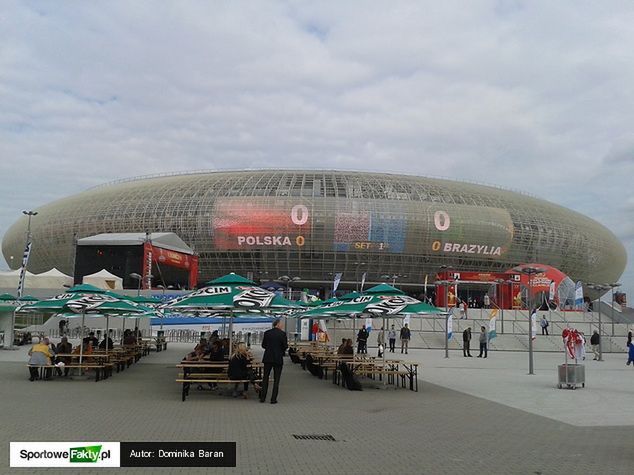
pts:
[211, 372]
[187, 382]
[102, 371]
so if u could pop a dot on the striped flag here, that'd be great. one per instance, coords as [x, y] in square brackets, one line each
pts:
[492, 320]
[335, 283]
[25, 261]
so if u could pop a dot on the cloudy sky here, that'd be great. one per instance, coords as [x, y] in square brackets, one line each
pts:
[534, 96]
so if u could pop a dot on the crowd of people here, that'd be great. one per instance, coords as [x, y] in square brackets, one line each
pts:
[215, 349]
[47, 353]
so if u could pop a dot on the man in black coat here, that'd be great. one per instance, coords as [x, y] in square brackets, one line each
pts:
[466, 342]
[274, 343]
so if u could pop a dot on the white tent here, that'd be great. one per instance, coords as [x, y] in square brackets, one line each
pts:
[11, 278]
[104, 280]
[52, 279]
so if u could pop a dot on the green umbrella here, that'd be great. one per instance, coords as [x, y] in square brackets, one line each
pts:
[92, 304]
[8, 298]
[232, 294]
[230, 279]
[384, 289]
[352, 295]
[147, 300]
[86, 289]
[28, 298]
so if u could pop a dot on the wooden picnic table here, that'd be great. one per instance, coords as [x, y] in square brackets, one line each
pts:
[190, 376]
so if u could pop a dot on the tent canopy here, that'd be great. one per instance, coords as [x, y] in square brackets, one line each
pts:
[52, 279]
[104, 280]
[169, 241]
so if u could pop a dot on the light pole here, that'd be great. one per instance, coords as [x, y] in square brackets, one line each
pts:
[613, 285]
[530, 272]
[600, 288]
[287, 280]
[138, 277]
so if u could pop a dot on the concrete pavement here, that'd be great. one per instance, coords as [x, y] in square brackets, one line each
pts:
[465, 419]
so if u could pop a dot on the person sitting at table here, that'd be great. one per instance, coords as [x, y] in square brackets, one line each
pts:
[202, 346]
[40, 355]
[85, 349]
[106, 343]
[216, 353]
[239, 370]
[92, 339]
[214, 337]
[128, 338]
[348, 348]
[342, 346]
[224, 344]
[194, 356]
[64, 347]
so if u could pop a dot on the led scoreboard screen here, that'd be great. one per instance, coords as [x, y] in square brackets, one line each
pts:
[385, 226]
[248, 223]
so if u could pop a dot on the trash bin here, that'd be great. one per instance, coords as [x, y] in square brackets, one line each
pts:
[571, 375]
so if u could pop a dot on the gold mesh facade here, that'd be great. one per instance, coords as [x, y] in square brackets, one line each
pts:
[312, 224]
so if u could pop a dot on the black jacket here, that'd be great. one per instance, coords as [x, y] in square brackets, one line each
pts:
[594, 339]
[274, 344]
[466, 335]
[363, 335]
[238, 367]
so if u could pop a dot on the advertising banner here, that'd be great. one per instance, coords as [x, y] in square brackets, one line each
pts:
[249, 223]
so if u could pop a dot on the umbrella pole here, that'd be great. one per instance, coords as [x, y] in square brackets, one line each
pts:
[12, 335]
[230, 334]
[107, 330]
[383, 352]
[334, 328]
[122, 330]
[81, 338]
[354, 331]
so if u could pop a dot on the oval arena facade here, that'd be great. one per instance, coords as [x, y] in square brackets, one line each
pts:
[314, 224]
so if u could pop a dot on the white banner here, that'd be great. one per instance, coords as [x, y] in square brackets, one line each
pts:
[64, 454]
[579, 294]
[336, 282]
[406, 320]
[368, 324]
[25, 261]
[363, 280]
[533, 325]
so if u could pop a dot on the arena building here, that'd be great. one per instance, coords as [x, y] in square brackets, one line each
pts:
[312, 225]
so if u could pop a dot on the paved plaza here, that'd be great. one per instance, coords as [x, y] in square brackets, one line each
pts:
[471, 416]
